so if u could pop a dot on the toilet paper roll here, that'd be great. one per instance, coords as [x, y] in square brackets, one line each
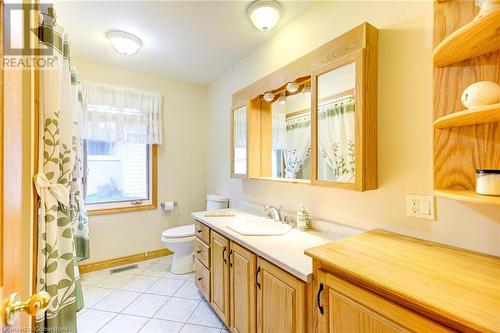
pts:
[168, 205]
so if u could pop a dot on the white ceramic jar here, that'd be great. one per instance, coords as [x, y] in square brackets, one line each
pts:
[480, 94]
[488, 182]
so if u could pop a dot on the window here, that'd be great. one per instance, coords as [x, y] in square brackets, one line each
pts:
[118, 175]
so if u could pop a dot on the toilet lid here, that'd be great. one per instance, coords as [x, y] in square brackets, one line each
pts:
[179, 232]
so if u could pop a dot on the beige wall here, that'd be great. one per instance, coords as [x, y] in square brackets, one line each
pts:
[405, 127]
[181, 164]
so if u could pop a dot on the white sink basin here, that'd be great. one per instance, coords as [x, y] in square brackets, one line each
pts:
[258, 227]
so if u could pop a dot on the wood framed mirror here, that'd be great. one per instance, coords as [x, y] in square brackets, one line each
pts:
[314, 120]
[344, 124]
[239, 142]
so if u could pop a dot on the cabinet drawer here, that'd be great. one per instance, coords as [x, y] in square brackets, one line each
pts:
[202, 252]
[202, 279]
[202, 232]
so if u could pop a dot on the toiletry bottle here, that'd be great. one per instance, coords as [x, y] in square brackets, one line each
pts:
[303, 219]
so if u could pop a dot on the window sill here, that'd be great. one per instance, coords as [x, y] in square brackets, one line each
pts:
[120, 210]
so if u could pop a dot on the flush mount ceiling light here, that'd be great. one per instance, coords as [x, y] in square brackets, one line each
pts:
[264, 14]
[268, 97]
[124, 42]
[292, 87]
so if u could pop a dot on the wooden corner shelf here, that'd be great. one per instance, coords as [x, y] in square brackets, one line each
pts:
[468, 196]
[473, 39]
[473, 116]
[459, 149]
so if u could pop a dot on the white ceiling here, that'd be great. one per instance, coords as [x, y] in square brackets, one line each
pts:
[186, 40]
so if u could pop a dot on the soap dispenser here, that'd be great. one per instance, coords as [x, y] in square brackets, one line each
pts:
[303, 219]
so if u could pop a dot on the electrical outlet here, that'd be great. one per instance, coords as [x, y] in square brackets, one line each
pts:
[420, 206]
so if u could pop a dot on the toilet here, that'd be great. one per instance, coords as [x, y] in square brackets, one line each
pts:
[180, 239]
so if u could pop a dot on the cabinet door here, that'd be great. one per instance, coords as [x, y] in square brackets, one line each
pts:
[353, 309]
[242, 282]
[281, 301]
[219, 276]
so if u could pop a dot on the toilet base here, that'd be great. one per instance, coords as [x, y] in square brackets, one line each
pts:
[182, 263]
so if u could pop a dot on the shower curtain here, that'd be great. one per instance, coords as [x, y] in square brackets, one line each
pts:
[62, 221]
[298, 145]
[336, 136]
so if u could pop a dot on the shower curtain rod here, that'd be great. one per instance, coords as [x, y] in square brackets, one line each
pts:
[329, 100]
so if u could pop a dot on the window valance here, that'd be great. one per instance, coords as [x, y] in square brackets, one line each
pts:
[113, 113]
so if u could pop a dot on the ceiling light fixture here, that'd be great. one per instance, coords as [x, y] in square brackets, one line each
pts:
[124, 42]
[264, 14]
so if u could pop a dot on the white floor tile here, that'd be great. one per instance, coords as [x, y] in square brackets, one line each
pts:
[139, 283]
[161, 326]
[92, 295]
[167, 260]
[158, 270]
[177, 309]
[146, 305]
[91, 321]
[187, 276]
[189, 290]
[143, 265]
[204, 315]
[117, 301]
[124, 324]
[115, 281]
[165, 287]
[92, 278]
[189, 328]
[81, 312]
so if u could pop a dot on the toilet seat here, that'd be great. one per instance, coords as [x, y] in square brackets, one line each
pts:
[179, 232]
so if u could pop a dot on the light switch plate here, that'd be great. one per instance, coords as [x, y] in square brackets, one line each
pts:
[420, 206]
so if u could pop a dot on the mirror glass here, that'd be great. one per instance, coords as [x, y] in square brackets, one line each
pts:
[291, 136]
[336, 125]
[240, 141]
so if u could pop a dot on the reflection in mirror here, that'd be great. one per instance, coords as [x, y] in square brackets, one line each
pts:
[240, 140]
[336, 125]
[291, 136]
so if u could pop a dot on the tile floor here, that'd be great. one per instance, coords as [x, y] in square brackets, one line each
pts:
[148, 299]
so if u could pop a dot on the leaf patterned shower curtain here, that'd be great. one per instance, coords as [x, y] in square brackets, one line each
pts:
[336, 136]
[298, 145]
[62, 221]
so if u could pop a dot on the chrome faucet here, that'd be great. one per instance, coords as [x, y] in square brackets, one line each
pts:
[273, 212]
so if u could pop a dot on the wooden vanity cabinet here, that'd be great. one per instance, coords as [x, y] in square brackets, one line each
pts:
[248, 293]
[348, 308]
[219, 276]
[202, 259]
[242, 289]
[281, 300]
[379, 281]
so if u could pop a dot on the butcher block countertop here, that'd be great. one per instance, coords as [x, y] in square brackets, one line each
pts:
[456, 287]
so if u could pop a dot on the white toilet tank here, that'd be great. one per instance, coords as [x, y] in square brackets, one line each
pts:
[215, 201]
